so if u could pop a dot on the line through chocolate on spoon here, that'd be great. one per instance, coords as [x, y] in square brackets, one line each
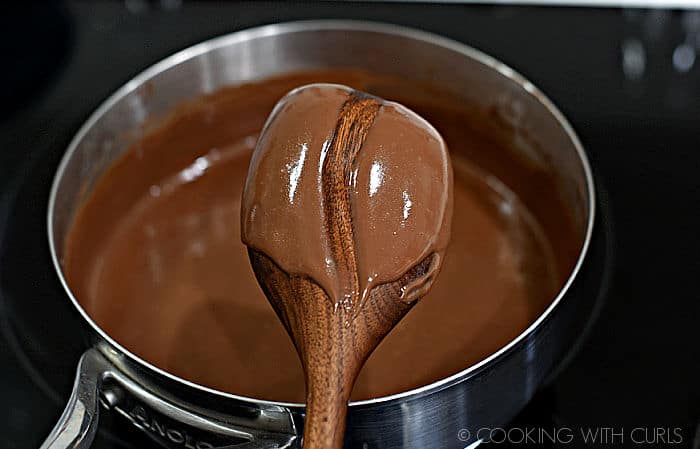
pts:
[355, 119]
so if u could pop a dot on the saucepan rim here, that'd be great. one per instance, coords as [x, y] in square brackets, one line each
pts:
[326, 25]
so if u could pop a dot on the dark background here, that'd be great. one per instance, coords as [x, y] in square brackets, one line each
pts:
[626, 79]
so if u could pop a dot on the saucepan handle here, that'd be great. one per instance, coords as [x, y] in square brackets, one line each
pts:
[171, 425]
[77, 425]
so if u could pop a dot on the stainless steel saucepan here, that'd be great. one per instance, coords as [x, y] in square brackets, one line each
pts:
[181, 414]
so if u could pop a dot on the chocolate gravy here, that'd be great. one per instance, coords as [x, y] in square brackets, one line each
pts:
[155, 258]
[333, 162]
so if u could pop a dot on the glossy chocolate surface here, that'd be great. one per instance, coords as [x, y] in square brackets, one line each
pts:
[156, 259]
[389, 198]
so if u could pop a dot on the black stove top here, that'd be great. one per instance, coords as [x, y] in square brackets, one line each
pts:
[628, 80]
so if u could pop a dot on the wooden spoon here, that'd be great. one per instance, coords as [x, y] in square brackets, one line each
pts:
[335, 335]
[331, 352]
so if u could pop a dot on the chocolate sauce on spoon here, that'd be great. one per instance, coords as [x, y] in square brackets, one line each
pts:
[346, 213]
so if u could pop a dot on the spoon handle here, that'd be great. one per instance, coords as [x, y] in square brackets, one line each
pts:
[333, 346]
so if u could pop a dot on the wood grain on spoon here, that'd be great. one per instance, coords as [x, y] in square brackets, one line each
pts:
[346, 215]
